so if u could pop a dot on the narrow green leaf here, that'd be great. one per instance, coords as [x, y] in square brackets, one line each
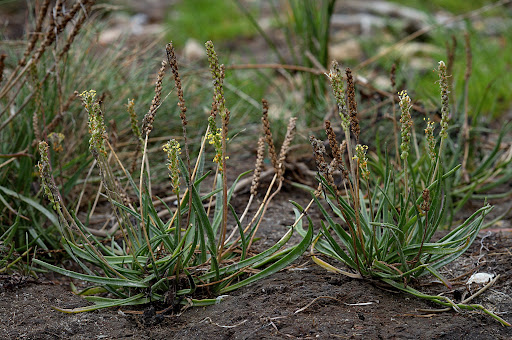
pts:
[280, 264]
[250, 261]
[33, 204]
[134, 300]
[92, 278]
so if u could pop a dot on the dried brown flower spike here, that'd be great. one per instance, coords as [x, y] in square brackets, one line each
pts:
[290, 133]
[259, 166]
[335, 148]
[352, 104]
[173, 63]
[149, 118]
[392, 76]
[268, 136]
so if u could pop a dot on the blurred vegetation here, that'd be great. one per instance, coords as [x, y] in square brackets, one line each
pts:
[204, 20]
[489, 93]
[453, 6]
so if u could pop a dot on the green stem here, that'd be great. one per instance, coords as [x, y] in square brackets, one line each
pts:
[444, 301]
[357, 207]
[406, 182]
[224, 190]
[141, 190]
[438, 160]
[372, 217]
[417, 257]
[178, 238]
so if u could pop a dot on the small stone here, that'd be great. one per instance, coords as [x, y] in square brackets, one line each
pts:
[480, 278]
[194, 51]
[350, 49]
[382, 82]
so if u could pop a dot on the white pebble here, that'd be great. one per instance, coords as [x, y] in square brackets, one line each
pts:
[480, 278]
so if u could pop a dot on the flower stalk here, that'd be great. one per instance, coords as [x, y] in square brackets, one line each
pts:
[219, 103]
[173, 151]
[405, 133]
[445, 112]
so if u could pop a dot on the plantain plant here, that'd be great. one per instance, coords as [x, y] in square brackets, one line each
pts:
[146, 258]
[379, 219]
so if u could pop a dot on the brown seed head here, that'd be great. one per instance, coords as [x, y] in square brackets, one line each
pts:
[268, 136]
[319, 152]
[425, 205]
[352, 104]
[149, 118]
[41, 15]
[337, 151]
[173, 63]
[258, 166]
[331, 135]
[76, 27]
[450, 55]
[325, 169]
[290, 133]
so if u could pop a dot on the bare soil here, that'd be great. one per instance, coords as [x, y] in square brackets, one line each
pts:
[304, 301]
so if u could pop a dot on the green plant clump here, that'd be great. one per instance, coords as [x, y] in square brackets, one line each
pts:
[381, 217]
[149, 259]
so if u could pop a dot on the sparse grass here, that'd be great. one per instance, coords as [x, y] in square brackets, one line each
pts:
[37, 97]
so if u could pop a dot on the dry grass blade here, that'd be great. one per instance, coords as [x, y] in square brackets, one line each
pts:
[315, 300]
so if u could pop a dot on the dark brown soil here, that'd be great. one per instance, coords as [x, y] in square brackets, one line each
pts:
[303, 301]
